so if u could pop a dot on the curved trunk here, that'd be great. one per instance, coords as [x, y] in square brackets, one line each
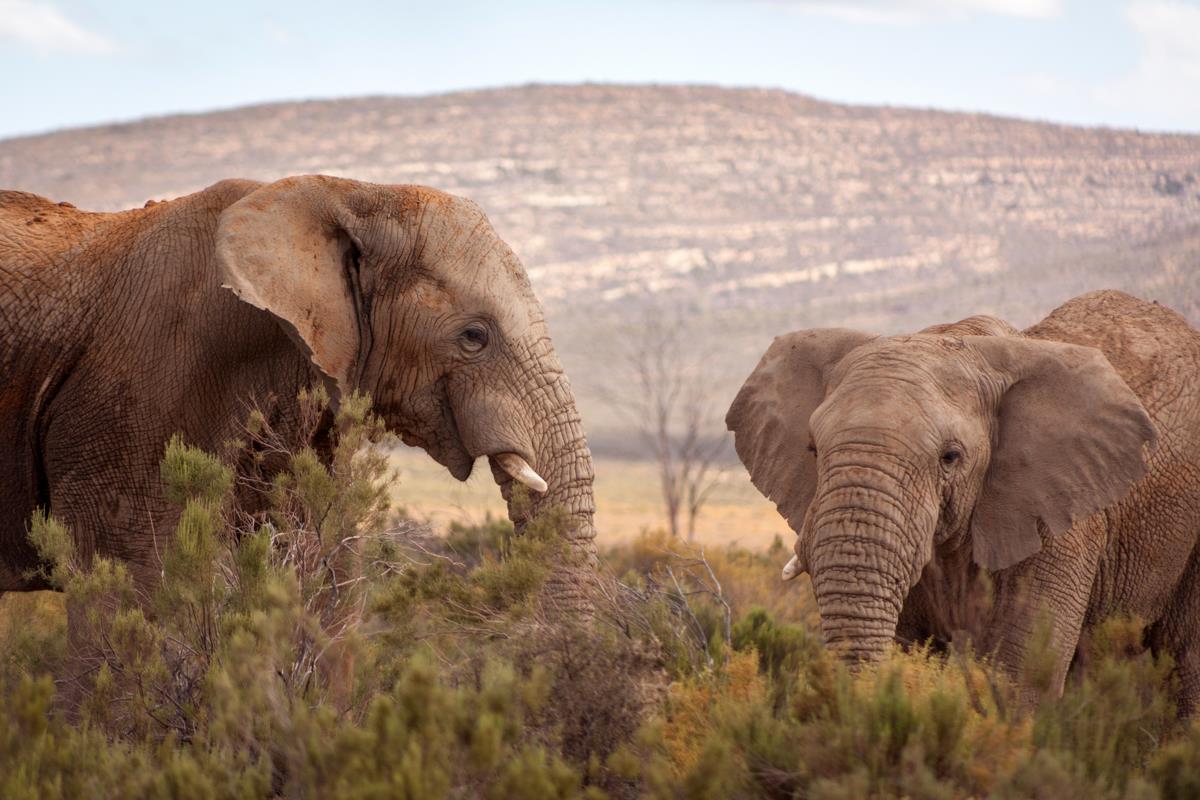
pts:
[864, 553]
[565, 462]
[561, 456]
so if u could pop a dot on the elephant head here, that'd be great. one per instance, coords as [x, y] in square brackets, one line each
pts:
[880, 452]
[408, 293]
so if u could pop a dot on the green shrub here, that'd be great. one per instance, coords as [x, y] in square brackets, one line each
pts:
[472, 544]
[1116, 712]
[696, 677]
[33, 635]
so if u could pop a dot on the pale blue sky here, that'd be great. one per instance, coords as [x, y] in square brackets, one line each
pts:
[1128, 63]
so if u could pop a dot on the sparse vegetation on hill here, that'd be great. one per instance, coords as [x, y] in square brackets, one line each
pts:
[765, 211]
[695, 678]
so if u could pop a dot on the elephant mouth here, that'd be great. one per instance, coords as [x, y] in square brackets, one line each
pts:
[457, 447]
[461, 469]
[508, 466]
[445, 450]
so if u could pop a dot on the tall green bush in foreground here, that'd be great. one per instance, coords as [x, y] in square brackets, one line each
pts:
[249, 673]
[224, 683]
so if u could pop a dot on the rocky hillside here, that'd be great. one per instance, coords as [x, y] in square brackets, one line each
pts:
[761, 211]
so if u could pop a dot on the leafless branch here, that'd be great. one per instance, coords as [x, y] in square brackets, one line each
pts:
[666, 397]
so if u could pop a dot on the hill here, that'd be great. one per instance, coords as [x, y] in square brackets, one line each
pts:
[762, 211]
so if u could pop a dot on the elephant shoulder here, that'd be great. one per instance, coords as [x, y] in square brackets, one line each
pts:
[1149, 345]
[20, 209]
[14, 202]
[1113, 321]
[33, 229]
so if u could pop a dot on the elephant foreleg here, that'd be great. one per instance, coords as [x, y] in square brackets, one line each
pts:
[1039, 612]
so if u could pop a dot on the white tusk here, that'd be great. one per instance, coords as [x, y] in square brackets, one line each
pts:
[792, 569]
[519, 470]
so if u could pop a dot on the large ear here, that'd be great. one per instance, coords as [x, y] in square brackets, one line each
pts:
[292, 248]
[769, 416]
[1071, 439]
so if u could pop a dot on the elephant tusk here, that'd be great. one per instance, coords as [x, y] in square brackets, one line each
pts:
[519, 470]
[792, 568]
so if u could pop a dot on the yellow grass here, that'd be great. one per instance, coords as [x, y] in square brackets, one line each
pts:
[628, 501]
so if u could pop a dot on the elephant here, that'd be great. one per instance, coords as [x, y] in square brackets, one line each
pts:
[1059, 465]
[119, 330]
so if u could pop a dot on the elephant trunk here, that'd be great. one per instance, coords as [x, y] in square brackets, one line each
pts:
[864, 557]
[858, 617]
[561, 457]
[569, 475]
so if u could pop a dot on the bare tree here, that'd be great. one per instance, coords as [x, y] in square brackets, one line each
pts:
[666, 394]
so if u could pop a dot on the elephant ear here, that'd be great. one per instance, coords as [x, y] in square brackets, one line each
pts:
[769, 417]
[292, 249]
[1071, 439]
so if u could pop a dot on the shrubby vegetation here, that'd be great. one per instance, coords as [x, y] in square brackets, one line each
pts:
[248, 675]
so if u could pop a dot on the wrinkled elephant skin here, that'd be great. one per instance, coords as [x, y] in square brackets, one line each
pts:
[118, 330]
[1061, 462]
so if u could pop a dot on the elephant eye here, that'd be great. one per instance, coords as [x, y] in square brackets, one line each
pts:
[812, 447]
[474, 338]
[951, 456]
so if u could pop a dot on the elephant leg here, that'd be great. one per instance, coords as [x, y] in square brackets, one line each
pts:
[1175, 633]
[89, 621]
[1034, 642]
[1038, 615]
[103, 522]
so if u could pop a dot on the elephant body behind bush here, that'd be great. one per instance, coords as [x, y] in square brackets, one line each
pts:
[119, 330]
[1061, 463]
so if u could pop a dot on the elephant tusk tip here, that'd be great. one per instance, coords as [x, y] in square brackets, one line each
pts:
[536, 482]
[791, 569]
[519, 470]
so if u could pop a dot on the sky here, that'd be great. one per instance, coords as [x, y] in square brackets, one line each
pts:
[1124, 63]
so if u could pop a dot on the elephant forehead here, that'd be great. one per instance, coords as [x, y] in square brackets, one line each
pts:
[919, 366]
[904, 389]
[870, 412]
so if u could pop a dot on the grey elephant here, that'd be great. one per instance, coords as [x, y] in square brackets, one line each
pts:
[118, 330]
[1063, 461]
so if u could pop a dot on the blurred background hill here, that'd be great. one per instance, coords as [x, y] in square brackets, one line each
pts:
[745, 212]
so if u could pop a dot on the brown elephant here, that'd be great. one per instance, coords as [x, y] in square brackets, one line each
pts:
[1063, 460]
[118, 330]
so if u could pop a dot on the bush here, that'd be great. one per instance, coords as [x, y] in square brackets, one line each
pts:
[916, 725]
[320, 647]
